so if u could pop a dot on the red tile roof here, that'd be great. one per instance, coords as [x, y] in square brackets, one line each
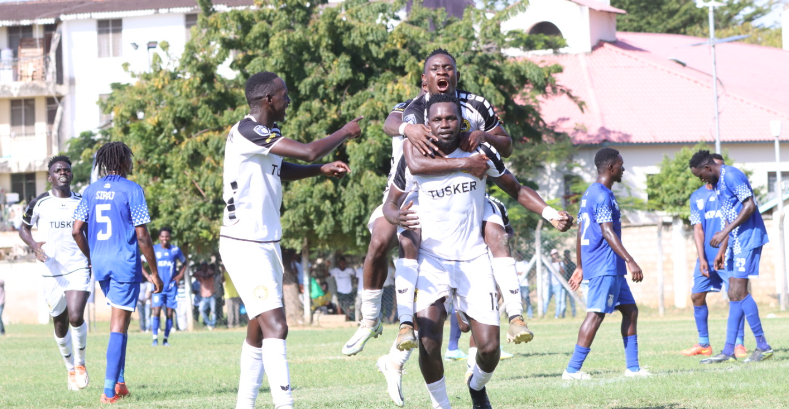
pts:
[635, 94]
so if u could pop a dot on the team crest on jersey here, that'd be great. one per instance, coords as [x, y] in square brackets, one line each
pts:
[610, 300]
[262, 130]
[410, 119]
[700, 204]
[465, 126]
[106, 185]
[158, 254]
[261, 292]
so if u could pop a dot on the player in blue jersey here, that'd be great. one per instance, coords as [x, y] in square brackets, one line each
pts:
[109, 223]
[166, 257]
[603, 260]
[705, 217]
[744, 234]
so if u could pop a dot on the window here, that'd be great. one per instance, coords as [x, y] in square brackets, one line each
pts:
[16, 33]
[52, 111]
[772, 178]
[23, 117]
[25, 185]
[110, 38]
[189, 22]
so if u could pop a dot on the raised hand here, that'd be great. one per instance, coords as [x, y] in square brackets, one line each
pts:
[352, 128]
[471, 140]
[421, 137]
[336, 169]
[564, 222]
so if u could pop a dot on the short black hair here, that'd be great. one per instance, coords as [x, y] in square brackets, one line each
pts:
[604, 157]
[56, 159]
[341, 258]
[717, 156]
[443, 98]
[167, 229]
[259, 85]
[114, 157]
[701, 158]
[439, 51]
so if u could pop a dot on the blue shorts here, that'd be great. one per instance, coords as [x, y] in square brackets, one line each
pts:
[702, 284]
[745, 264]
[166, 298]
[608, 292]
[120, 295]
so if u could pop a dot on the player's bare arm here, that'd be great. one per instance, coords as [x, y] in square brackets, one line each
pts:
[392, 123]
[418, 164]
[292, 171]
[397, 214]
[182, 272]
[616, 245]
[532, 201]
[720, 258]
[497, 137]
[27, 236]
[698, 239]
[422, 139]
[748, 207]
[146, 246]
[310, 152]
[78, 232]
[578, 274]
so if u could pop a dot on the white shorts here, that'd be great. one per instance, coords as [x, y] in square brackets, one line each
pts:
[54, 289]
[256, 270]
[469, 285]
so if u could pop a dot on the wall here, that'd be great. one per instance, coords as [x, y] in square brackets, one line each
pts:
[571, 19]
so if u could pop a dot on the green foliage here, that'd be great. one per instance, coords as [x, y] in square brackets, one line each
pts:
[80, 151]
[338, 62]
[519, 39]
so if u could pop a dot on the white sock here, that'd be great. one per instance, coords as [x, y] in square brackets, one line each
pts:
[507, 278]
[479, 379]
[406, 273]
[276, 364]
[438, 394]
[371, 306]
[80, 339]
[471, 362]
[64, 345]
[251, 376]
[398, 358]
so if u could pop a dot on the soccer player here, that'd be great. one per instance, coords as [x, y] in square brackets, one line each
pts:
[744, 233]
[604, 261]
[109, 223]
[453, 259]
[705, 217]
[166, 257]
[67, 284]
[251, 230]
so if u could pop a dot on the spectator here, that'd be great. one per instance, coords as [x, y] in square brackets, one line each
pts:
[207, 300]
[359, 289]
[569, 269]
[196, 298]
[144, 305]
[523, 276]
[233, 301]
[2, 305]
[343, 276]
[219, 294]
[555, 286]
[388, 302]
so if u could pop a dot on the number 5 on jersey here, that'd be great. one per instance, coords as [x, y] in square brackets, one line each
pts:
[100, 218]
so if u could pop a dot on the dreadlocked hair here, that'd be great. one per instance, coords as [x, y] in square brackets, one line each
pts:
[114, 157]
[58, 158]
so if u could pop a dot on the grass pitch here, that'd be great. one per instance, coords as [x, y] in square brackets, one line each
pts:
[200, 370]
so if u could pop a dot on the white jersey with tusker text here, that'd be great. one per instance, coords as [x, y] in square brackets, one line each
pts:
[451, 207]
[252, 185]
[53, 217]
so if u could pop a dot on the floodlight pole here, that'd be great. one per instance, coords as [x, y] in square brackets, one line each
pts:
[775, 127]
[712, 5]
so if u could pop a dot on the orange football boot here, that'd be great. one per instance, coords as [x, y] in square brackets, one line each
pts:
[114, 399]
[698, 350]
[740, 351]
[121, 390]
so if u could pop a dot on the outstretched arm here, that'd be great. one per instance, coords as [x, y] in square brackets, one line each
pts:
[292, 171]
[419, 164]
[310, 152]
[619, 249]
[532, 201]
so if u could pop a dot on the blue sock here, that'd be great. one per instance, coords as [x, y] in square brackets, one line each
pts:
[155, 326]
[631, 352]
[168, 325]
[454, 332]
[577, 361]
[751, 312]
[114, 353]
[741, 333]
[701, 314]
[123, 360]
[733, 324]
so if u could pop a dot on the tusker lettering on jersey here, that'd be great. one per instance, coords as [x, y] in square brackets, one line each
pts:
[61, 224]
[276, 170]
[105, 195]
[453, 190]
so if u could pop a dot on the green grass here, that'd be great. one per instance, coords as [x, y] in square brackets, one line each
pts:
[200, 370]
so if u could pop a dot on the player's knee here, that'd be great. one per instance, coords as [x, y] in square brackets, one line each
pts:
[409, 248]
[75, 319]
[698, 299]
[378, 245]
[496, 238]
[489, 350]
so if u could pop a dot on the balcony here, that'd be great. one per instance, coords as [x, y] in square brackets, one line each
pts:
[36, 72]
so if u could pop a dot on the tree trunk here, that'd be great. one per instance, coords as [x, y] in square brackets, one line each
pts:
[539, 276]
[305, 263]
[290, 291]
[661, 302]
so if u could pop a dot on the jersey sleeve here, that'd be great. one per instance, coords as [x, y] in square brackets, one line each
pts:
[402, 180]
[261, 137]
[402, 106]
[82, 212]
[180, 256]
[603, 209]
[414, 113]
[486, 111]
[30, 217]
[138, 207]
[695, 213]
[495, 162]
[737, 182]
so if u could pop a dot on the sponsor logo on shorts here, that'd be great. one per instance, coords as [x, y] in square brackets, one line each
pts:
[261, 292]
[402, 291]
[285, 388]
[610, 300]
[514, 291]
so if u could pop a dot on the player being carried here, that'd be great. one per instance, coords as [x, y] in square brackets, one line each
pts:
[249, 238]
[166, 257]
[705, 217]
[744, 234]
[109, 223]
[67, 283]
[453, 263]
[603, 261]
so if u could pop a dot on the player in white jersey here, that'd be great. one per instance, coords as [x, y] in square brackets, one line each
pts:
[67, 282]
[249, 238]
[453, 258]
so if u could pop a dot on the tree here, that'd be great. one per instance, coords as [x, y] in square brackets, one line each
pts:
[80, 150]
[683, 17]
[338, 62]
